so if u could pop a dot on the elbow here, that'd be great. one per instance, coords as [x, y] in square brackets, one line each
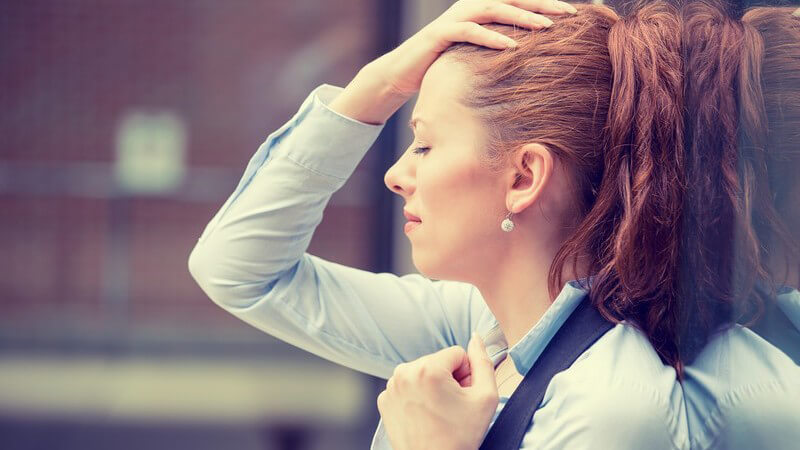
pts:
[225, 286]
[202, 270]
[199, 270]
[195, 264]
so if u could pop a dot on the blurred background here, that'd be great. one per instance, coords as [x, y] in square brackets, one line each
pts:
[125, 125]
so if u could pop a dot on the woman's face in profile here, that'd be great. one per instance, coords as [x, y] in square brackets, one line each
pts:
[444, 183]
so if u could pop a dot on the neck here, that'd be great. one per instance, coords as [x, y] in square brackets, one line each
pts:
[517, 291]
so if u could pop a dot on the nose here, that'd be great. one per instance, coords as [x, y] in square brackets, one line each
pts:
[399, 178]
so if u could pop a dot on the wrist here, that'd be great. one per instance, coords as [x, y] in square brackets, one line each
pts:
[369, 97]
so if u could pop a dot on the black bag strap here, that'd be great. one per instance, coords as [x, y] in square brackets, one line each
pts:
[582, 328]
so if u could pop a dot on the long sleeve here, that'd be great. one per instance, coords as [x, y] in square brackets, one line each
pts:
[251, 258]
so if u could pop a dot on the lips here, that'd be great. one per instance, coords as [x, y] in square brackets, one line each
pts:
[411, 217]
[410, 226]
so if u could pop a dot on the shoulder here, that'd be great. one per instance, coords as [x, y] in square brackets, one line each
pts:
[753, 357]
[618, 394]
[742, 392]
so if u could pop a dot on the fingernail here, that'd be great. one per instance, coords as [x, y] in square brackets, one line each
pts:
[539, 21]
[509, 42]
[567, 7]
[475, 340]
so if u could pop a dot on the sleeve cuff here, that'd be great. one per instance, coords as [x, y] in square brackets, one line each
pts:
[331, 144]
[318, 139]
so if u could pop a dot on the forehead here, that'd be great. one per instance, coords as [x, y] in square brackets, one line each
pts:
[439, 101]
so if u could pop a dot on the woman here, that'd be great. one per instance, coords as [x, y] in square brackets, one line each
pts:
[740, 257]
[538, 174]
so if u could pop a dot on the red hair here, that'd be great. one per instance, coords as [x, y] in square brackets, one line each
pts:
[742, 163]
[775, 137]
[720, 259]
[604, 95]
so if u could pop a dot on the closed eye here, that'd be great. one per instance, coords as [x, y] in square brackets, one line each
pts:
[421, 150]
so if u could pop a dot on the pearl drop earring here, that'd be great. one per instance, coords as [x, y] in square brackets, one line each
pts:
[507, 225]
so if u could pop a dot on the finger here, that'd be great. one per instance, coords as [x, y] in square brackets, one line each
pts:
[463, 372]
[544, 6]
[452, 359]
[488, 12]
[466, 381]
[476, 34]
[482, 366]
[390, 383]
[381, 402]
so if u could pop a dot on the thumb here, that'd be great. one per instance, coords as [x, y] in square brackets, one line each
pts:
[481, 364]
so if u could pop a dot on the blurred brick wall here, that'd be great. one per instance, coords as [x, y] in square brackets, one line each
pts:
[233, 70]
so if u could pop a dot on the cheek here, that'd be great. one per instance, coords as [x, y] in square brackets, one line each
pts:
[460, 209]
[442, 189]
[458, 201]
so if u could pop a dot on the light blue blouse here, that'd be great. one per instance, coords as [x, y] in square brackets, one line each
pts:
[742, 392]
[251, 260]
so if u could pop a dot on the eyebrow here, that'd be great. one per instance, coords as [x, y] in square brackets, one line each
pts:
[413, 122]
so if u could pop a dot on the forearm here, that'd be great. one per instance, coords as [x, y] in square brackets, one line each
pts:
[267, 223]
[369, 98]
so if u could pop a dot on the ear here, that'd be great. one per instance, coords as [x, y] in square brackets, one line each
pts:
[531, 169]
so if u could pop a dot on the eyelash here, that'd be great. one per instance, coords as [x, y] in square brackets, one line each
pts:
[421, 150]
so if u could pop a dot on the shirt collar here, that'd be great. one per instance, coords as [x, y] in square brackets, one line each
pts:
[789, 301]
[525, 352]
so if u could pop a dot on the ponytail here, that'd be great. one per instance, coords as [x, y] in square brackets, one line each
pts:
[719, 252]
[632, 231]
[773, 142]
[730, 220]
